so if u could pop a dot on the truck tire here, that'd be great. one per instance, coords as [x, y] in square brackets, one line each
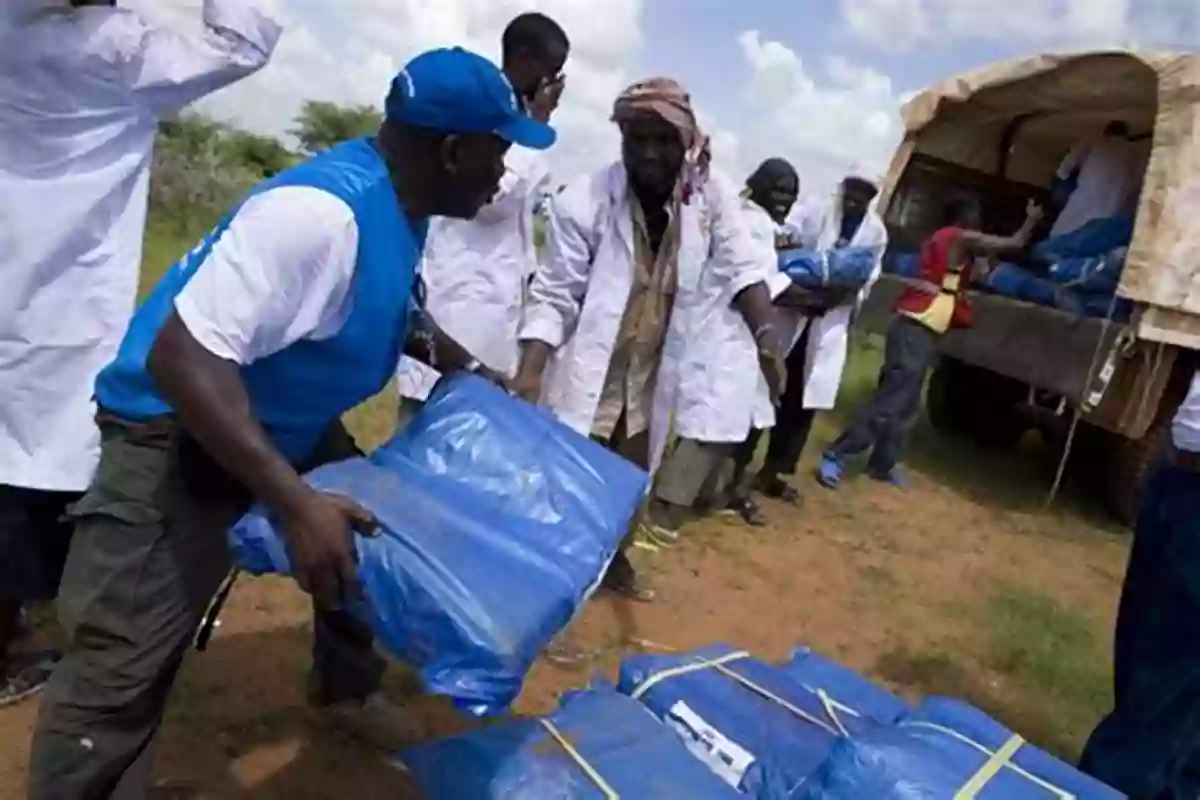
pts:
[1129, 465]
[973, 403]
[946, 399]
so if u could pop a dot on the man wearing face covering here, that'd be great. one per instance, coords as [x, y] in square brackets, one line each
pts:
[643, 253]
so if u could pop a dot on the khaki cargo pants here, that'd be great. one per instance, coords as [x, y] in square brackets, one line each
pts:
[149, 552]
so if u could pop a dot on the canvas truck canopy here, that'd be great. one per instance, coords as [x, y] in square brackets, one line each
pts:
[1018, 119]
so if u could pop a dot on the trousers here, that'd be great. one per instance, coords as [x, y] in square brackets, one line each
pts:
[881, 425]
[1149, 746]
[148, 554]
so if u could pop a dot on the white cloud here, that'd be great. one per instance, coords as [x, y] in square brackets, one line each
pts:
[847, 122]
[904, 24]
[348, 53]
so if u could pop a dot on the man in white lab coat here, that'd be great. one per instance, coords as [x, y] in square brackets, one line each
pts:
[642, 253]
[475, 271]
[821, 334]
[1100, 179]
[707, 440]
[82, 88]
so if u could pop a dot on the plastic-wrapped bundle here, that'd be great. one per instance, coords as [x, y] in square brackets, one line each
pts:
[1095, 275]
[1096, 238]
[756, 727]
[905, 263]
[599, 744]
[496, 524]
[844, 686]
[1010, 280]
[942, 751]
[848, 267]
[1097, 305]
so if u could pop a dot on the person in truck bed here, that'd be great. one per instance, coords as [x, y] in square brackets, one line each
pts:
[924, 311]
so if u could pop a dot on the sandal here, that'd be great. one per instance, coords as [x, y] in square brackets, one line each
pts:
[749, 511]
[777, 488]
[28, 680]
[622, 579]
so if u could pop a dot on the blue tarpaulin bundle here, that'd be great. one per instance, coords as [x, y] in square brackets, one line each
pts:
[1096, 238]
[905, 263]
[762, 729]
[1010, 280]
[599, 744]
[1095, 274]
[845, 267]
[496, 524]
[946, 750]
[846, 688]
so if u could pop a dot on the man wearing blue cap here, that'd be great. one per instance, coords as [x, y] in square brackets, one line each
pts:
[232, 380]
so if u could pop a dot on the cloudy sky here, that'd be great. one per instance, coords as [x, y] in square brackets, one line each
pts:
[821, 86]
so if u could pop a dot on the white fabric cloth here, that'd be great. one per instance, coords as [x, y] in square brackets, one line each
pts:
[281, 272]
[763, 231]
[1186, 427]
[723, 345]
[577, 300]
[476, 271]
[81, 94]
[1111, 171]
[829, 339]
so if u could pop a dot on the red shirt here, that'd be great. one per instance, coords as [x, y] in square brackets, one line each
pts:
[938, 279]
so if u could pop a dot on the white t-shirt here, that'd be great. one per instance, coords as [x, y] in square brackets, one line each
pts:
[280, 273]
[1186, 427]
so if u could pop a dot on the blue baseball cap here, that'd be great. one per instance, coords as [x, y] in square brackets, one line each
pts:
[457, 91]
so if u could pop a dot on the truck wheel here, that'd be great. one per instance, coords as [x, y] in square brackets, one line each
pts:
[1130, 462]
[967, 401]
[946, 399]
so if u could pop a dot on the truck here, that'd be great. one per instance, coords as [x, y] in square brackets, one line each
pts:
[1102, 387]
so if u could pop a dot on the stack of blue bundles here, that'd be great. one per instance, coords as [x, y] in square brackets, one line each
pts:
[946, 749]
[1095, 238]
[849, 692]
[599, 744]
[905, 263]
[1010, 280]
[1097, 275]
[847, 267]
[752, 724]
[496, 523]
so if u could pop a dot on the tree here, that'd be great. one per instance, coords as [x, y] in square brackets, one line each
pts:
[320, 124]
[266, 154]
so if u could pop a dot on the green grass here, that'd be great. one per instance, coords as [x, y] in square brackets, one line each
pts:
[1035, 665]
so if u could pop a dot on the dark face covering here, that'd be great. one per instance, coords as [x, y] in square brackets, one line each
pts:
[774, 186]
[857, 195]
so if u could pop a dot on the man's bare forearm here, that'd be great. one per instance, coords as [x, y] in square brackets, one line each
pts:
[210, 400]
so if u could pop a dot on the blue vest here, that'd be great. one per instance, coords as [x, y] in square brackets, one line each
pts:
[298, 392]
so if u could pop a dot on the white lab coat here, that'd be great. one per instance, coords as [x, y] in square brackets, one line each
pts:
[476, 272]
[829, 339]
[578, 299]
[1111, 171]
[81, 95]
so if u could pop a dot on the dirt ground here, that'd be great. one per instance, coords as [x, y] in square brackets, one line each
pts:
[915, 587]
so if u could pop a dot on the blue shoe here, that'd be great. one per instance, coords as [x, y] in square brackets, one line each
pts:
[829, 473]
[891, 477]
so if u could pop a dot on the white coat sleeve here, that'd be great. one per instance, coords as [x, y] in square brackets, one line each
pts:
[1073, 161]
[733, 257]
[167, 70]
[558, 288]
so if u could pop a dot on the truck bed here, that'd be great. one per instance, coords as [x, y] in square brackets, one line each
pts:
[1045, 348]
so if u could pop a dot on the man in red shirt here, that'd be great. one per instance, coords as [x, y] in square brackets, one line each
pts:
[925, 310]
